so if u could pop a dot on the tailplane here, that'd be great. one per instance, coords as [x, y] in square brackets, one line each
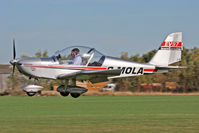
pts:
[169, 51]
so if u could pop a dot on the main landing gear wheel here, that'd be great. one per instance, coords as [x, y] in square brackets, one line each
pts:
[64, 94]
[30, 93]
[62, 91]
[75, 95]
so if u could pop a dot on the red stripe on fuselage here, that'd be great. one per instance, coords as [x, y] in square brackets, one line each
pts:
[149, 70]
[98, 68]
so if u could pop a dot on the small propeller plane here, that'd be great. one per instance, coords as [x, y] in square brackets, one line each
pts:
[85, 63]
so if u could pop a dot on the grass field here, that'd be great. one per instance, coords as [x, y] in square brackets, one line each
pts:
[98, 114]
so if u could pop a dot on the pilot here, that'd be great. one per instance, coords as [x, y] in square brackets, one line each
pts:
[77, 59]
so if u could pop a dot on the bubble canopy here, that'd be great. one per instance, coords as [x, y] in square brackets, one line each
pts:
[89, 56]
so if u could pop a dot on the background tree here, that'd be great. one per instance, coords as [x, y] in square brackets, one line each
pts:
[13, 80]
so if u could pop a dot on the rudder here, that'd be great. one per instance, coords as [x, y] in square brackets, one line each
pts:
[169, 51]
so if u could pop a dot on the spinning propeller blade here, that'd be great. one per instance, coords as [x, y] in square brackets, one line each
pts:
[14, 51]
[13, 62]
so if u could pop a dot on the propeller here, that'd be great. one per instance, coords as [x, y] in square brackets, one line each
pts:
[14, 51]
[13, 61]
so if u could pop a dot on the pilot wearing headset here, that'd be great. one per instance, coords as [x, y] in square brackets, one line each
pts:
[77, 59]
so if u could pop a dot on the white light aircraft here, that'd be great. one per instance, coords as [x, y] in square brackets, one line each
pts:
[84, 63]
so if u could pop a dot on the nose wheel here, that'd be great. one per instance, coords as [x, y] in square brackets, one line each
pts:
[30, 93]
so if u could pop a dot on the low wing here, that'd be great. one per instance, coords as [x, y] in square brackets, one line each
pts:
[92, 75]
[67, 76]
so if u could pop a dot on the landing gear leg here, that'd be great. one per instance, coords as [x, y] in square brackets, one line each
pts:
[62, 89]
[73, 83]
[36, 80]
[66, 84]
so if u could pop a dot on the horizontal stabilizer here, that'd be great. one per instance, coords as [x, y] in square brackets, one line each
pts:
[171, 67]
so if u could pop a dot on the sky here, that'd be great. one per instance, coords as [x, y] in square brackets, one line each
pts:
[110, 26]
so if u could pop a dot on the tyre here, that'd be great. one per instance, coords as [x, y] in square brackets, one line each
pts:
[75, 95]
[31, 93]
[64, 93]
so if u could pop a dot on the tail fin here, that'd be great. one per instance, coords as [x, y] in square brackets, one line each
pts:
[169, 51]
